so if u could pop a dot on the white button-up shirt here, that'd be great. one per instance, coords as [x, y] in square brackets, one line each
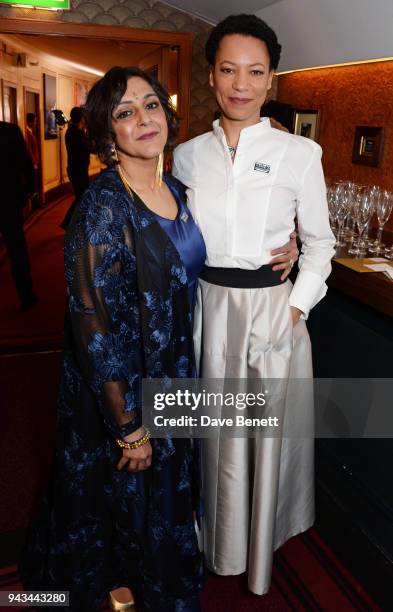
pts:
[247, 208]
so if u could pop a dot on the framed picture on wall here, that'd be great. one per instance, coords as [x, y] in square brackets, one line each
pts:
[81, 91]
[306, 123]
[367, 146]
[50, 130]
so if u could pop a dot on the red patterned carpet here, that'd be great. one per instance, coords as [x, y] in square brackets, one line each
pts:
[306, 577]
[306, 574]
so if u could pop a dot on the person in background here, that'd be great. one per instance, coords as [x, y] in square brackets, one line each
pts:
[280, 114]
[16, 180]
[34, 152]
[78, 152]
[78, 158]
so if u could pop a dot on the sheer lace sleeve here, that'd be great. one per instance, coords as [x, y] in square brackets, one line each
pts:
[103, 304]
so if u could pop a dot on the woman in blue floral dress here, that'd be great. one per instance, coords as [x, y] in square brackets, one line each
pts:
[120, 514]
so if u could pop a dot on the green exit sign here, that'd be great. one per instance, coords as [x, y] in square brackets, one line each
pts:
[49, 4]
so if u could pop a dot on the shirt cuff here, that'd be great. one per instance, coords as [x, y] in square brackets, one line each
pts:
[308, 290]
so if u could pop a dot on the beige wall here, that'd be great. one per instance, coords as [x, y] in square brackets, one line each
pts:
[151, 15]
[32, 77]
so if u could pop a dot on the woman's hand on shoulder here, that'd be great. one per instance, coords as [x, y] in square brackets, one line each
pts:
[285, 256]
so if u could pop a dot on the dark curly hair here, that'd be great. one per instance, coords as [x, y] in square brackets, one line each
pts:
[103, 98]
[246, 25]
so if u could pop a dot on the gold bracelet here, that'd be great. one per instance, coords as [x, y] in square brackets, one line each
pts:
[133, 445]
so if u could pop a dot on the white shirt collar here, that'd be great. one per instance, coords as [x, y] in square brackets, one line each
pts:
[247, 132]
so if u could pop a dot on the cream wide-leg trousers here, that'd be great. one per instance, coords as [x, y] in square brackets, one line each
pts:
[257, 492]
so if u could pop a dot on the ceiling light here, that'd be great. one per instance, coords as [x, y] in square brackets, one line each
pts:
[370, 61]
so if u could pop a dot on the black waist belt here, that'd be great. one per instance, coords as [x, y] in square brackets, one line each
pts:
[241, 279]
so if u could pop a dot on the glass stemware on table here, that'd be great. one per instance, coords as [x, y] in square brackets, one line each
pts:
[363, 212]
[383, 209]
[360, 241]
[339, 200]
[352, 206]
[332, 205]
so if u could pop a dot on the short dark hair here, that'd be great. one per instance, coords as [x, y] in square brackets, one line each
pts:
[77, 114]
[246, 25]
[30, 117]
[103, 98]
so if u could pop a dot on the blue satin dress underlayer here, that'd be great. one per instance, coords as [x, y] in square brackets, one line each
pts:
[188, 241]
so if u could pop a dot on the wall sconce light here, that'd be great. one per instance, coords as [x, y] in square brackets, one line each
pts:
[174, 101]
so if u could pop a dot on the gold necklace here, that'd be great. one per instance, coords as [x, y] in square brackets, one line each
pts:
[130, 189]
[126, 183]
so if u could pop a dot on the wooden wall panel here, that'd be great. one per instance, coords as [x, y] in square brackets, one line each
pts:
[347, 96]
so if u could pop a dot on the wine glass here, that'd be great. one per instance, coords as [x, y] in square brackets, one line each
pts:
[355, 191]
[374, 194]
[349, 225]
[354, 240]
[383, 209]
[332, 207]
[340, 206]
[364, 211]
[343, 209]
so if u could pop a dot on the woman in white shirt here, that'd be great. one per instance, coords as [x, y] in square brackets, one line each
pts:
[246, 184]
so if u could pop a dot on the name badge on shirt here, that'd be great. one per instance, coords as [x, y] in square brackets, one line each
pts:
[259, 167]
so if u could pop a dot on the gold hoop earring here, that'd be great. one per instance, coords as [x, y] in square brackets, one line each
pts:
[159, 171]
[115, 155]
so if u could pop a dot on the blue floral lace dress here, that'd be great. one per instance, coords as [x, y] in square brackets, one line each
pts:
[129, 317]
